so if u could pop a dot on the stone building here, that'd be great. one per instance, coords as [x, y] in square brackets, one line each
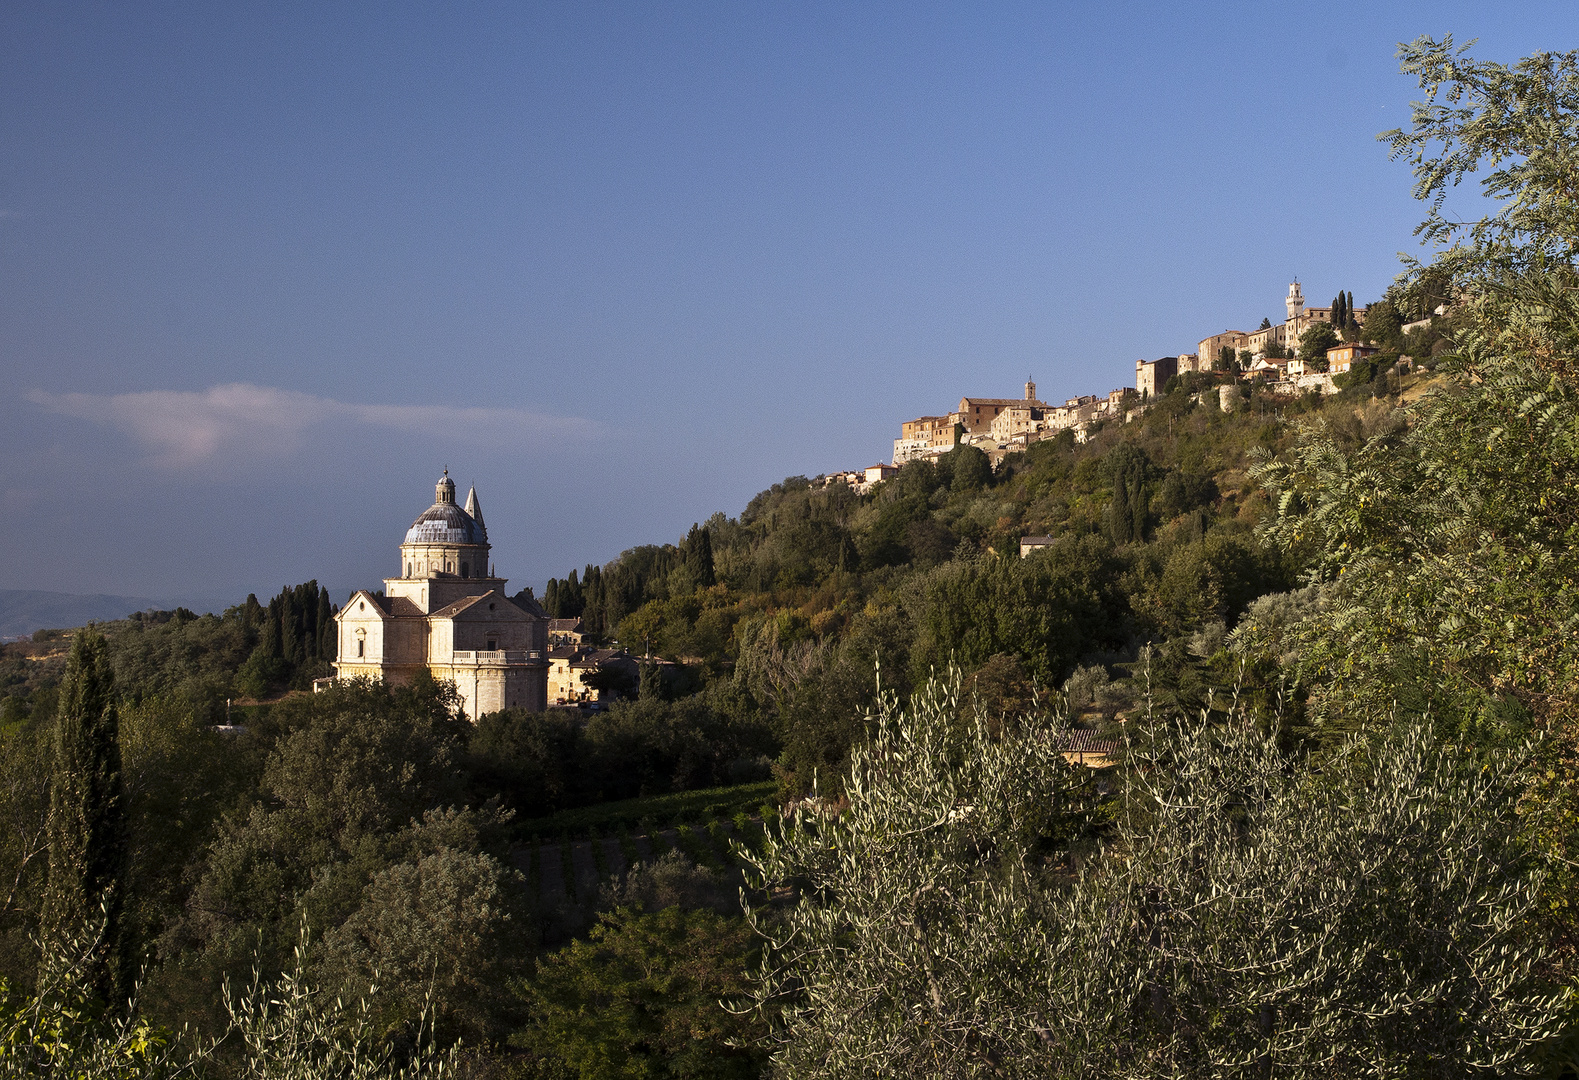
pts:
[566, 632]
[1208, 351]
[450, 616]
[1152, 375]
[923, 437]
[573, 675]
[1020, 418]
[1341, 358]
[976, 415]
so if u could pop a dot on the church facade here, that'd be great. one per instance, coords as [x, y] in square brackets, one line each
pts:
[450, 616]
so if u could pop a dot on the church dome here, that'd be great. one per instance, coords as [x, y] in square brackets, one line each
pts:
[445, 523]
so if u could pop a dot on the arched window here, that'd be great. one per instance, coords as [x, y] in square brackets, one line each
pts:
[464, 568]
[361, 648]
[408, 570]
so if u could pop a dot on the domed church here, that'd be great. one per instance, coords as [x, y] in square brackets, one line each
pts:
[449, 615]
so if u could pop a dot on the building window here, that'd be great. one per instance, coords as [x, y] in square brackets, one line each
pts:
[492, 645]
[465, 567]
[361, 649]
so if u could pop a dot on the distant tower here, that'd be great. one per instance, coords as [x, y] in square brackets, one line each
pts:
[1295, 302]
[1030, 389]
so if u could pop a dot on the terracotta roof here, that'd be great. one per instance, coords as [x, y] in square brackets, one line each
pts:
[396, 607]
[403, 607]
[1086, 742]
[451, 610]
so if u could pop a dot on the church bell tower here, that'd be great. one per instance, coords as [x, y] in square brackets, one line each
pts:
[1295, 302]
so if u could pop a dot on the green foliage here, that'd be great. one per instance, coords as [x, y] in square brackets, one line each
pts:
[288, 1029]
[442, 929]
[27, 757]
[1314, 343]
[1451, 545]
[1370, 918]
[343, 796]
[283, 1029]
[958, 814]
[180, 776]
[541, 763]
[641, 998]
[1521, 123]
[87, 821]
[970, 468]
[296, 640]
[63, 1029]
[1049, 610]
[706, 802]
[1126, 517]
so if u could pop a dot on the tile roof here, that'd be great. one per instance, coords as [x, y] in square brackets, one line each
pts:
[1086, 742]
[451, 610]
[402, 607]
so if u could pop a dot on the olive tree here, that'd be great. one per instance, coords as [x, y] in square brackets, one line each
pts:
[1246, 915]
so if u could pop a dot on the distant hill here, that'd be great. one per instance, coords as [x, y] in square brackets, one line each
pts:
[23, 611]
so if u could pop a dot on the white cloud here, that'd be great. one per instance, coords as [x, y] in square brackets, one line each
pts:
[183, 428]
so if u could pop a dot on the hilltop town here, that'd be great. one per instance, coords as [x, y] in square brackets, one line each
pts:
[1271, 356]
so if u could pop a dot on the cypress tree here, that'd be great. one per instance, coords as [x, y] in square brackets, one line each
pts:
[1120, 520]
[87, 822]
[327, 649]
[696, 554]
[592, 612]
[251, 613]
[551, 599]
[272, 644]
[290, 627]
[706, 574]
[571, 596]
[1348, 308]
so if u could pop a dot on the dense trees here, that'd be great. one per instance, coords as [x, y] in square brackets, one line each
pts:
[1313, 346]
[1249, 915]
[296, 640]
[640, 997]
[539, 763]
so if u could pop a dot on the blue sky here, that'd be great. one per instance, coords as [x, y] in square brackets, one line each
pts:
[265, 269]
